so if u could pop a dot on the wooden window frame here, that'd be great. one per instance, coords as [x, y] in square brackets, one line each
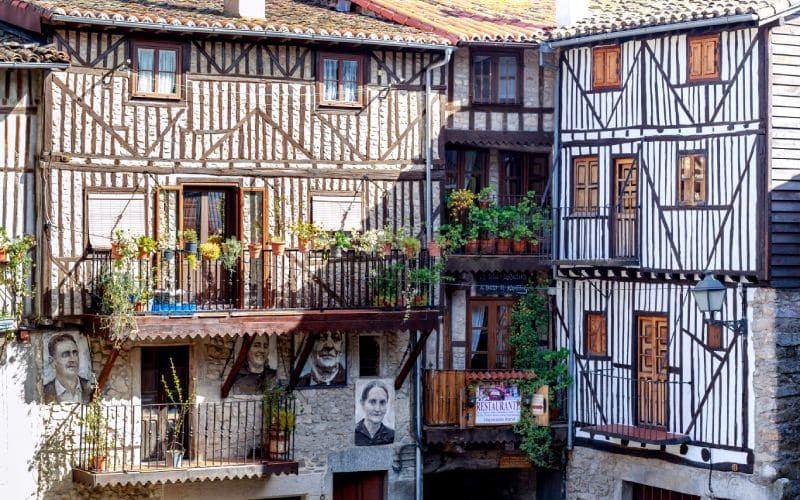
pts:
[716, 77]
[679, 193]
[585, 211]
[494, 76]
[588, 352]
[527, 162]
[157, 45]
[460, 172]
[491, 331]
[605, 49]
[360, 85]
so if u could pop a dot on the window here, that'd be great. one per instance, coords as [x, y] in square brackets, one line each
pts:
[369, 356]
[692, 179]
[714, 336]
[340, 79]
[496, 78]
[157, 68]
[703, 58]
[338, 212]
[107, 212]
[488, 334]
[585, 184]
[596, 339]
[466, 169]
[519, 174]
[210, 211]
[605, 68]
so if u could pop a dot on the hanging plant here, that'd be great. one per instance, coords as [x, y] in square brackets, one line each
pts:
[119, 294]
[145, 247]
[231, 252]
[459, 201]
[209, 251]
[17, 273]
[189, 241]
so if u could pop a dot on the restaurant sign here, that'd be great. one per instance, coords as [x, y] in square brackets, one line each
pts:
[497, 403]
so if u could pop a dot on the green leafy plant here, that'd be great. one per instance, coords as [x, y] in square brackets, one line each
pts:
[366, 242]
[231, 250]
[179, 397]
[459, 201]
[191, 259]
[119, 291]
[209, 251]
[411, 246]
[535, 440]
[16, 276]
[96, 432]
[123, 246]
[485, 195]
[451, 236]
[189, 236]
[385, 284]
[342, 240]
[274, 238]
[484, 220]
[505, 217]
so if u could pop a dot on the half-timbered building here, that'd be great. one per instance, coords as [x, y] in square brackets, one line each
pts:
[243, 120]
[495, 141]
[675, 154]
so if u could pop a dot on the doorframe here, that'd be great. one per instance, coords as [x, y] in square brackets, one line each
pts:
[635, 367]
[612, 219]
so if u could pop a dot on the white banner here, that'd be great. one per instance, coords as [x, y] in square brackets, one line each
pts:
[497, 404]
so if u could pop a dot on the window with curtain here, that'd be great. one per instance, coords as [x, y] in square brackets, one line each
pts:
[340, 80]
[157, 68]
[692, 179]
[487, 334]
[521, 173]
[466, 169]
[495, 78]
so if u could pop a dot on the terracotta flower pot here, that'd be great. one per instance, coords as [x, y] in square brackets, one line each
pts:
[255, 250]
[535, 247]
[115, 252]
[277, 248]
[503, 245]
[433, 249]
[387, 249]
[143, 254]
[471, 246]
[519, 246]
[97, 462]
[483, 203]
[302, 245]
[487, 246]
[3, 255]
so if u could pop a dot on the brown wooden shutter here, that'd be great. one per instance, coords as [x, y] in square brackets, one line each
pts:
[598, 69]
[612, 67]
[704, 58]
[596, 339]
[605, 67]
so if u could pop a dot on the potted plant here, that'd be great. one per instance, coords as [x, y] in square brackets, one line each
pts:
[17, 274]
[277, 245]
[411, 246]
[505, 218]
[145, 246]
[459, 201]
[520, 233]
[471, 239]
[434, 246]
[279, 419]
[385, 285]
[486, 221]
[191, 259]
[96, 430]
[184, 401]
[254, 249]
[342, 243]
[4, 242]
[232, 250]
[366, 242]
[122, 245]
[484, 196]
[190, 241]
[306, 233]
[386, 240]
[119, 293]
[209, 251]
[167, 250]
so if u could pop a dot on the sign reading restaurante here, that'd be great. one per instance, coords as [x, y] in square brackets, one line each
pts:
[497, 404]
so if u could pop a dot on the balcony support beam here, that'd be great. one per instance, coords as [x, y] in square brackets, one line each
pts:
[247, 342]
[106, 372]
[412, 358]
[305, 352]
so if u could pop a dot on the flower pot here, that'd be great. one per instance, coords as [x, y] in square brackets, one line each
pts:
[387, 249]
[278, 445]
[302, 245]
[487, 246]
[420, 299]
[433, 249]
[97, 462]
[255, 250]
[143, 254]
[190, 247]
[519, 246]
[174, 458]
[471, 246]
[3, 255]
[535, 247]
[116, 254]
[484, 203]
[336, 253]
[140, 306]
[503, 245]
[277, 248]
[169, 255]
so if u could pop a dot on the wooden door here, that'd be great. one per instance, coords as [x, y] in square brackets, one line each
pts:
[158, 415]
[358, 486]
[652, 364]
[623, 212]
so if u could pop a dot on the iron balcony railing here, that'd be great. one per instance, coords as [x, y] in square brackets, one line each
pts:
[596, 233]
[646, 408]
[185, 284]
[151, 437]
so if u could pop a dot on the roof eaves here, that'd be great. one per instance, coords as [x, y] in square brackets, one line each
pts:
[295, 35]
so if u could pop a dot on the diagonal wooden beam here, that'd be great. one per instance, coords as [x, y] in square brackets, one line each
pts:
[305, 352]
[247, 342]
[106, 372]
[401, 376]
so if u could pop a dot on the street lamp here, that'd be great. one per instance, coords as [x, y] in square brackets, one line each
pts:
[709, 295]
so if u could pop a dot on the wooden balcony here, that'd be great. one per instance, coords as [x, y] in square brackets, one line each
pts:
[310, 291]
[603, 235]
[142, 444]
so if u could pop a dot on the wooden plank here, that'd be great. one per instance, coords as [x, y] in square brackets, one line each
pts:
[247, 342]
[412, 358]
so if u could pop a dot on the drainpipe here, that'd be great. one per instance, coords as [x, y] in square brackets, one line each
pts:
[555, 172]
[571, 367]
[448, 53]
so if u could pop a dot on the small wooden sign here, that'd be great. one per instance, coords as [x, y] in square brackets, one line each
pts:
[514, 460]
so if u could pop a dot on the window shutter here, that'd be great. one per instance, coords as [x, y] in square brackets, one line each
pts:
[598, 69]
[612, 67]
[709, 58]
[695, 58]
[336, 212]
[109, 212]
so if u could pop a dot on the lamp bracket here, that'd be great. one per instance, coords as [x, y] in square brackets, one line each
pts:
[737, 326]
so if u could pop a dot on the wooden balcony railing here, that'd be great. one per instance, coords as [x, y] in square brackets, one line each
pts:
[292, 280]
[445, 391]
[130, 438]
[598, 233]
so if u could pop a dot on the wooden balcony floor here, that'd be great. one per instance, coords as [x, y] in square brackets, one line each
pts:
[638, 434]
[156, 472]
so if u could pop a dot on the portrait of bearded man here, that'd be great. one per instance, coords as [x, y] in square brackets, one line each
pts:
[325, 366]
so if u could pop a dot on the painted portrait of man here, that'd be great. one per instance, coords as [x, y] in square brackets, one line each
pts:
[255, 373]
[67, 370]
[326, 364]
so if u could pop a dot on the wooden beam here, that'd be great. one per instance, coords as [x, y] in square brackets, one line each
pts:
[247, 341]
[106, 372]
[401, 376]
[305, 352]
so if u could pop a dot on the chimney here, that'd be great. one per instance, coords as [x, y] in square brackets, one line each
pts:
[245, 8]
[343, 5]
[570, 11]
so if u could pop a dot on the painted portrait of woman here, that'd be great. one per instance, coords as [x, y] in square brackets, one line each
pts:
[374, 413]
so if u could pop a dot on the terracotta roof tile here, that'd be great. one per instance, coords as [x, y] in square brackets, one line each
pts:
[499, 375]
[303, 17]
[16, 49]
[471, 20]
[608, 16]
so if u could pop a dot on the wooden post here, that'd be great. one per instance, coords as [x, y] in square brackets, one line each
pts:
[106, 372]
[401, 376]
[247, 341]
[305, 352]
